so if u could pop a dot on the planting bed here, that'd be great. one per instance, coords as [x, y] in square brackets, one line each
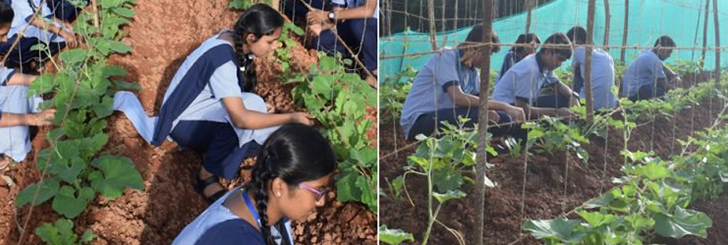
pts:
[550, 189]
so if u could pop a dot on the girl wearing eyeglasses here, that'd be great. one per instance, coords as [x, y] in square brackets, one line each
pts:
[288, 182]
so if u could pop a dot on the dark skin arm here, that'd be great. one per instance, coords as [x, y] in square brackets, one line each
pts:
[538, 112]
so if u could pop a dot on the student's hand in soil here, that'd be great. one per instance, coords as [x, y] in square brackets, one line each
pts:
[70, 38]
[566, 113]
[43, 118]
[493, 117]
[517, 113]
[302, 118]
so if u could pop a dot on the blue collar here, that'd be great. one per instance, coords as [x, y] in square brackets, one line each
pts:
[251, 207]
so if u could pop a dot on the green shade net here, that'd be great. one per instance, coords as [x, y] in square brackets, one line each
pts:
[648, 19]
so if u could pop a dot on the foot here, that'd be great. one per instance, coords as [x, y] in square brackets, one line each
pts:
[211, 191]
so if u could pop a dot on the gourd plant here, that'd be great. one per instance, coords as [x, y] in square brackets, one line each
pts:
[339, 101]
[446, 161]
[74, 168]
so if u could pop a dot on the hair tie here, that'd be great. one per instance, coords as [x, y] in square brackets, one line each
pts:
[246, 60]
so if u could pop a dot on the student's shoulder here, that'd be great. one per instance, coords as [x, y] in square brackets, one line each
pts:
[231, 232]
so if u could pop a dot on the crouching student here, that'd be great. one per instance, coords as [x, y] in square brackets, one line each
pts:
[288, 182]
[209, 106]
[647, 77]
[447, 87]
[19, 21]
[602, 72]
[532, 85]
[18, 112]
[517, 53]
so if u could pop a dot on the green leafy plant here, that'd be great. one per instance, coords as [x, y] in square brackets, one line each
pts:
[446, 161]
[553, 136]
[61, 233]
[341, 103]
[245, 4]
[74, 167]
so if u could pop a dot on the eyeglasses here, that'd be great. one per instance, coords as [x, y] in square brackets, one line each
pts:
[318, 192]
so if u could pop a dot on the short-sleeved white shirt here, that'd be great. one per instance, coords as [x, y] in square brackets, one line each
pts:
[524, 80]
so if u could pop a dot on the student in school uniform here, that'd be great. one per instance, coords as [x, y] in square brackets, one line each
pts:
[356, 23]
[209, 106]
[602, 72]
[532, 85]
[289, 180]
[44, 28]
[647, 77]
[516, 54]
[447, 88]
[17, 113]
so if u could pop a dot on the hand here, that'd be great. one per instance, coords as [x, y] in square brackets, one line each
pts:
[66, 25]
[517, 113]
[315, 29]
[70, 38]
[493, 117]
[565, 113]
[574, 101]
[302, 118]
[317, 17]
[43, 118]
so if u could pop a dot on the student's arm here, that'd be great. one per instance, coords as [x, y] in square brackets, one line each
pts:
[538, 112]
[248, 119]
[40, 119]
[673, 78]
[21, 79]
[362, 12]
[460, 98]
[68, 36]
[564, 90]
[516, 112]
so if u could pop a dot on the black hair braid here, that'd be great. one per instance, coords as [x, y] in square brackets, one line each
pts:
[249, 77]
[262, 177]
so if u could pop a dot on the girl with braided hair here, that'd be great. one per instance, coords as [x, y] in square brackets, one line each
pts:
[209, 106]
[288, 183]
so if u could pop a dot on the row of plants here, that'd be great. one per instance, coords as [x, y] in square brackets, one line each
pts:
[74, 169]
[654, 196]
[341, 102]
[554, 135]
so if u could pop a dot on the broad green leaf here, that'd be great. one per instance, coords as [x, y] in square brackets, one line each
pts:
[394, 236]
[345, 186]
[120, 47]
[44, 191]
[561, 229]
[88, 236]
[452, 194]
[447, 179]
[60, 233]
[125, 12]
[68, 204]
[683, 222]
[117, 173]
[74, 56]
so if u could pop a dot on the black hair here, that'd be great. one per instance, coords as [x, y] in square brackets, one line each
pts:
[295, 153]
[557, 39]
[259, 20]
[476, 36]
[525, 39]
[577, 35]
[665, 41]
[6, 13]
